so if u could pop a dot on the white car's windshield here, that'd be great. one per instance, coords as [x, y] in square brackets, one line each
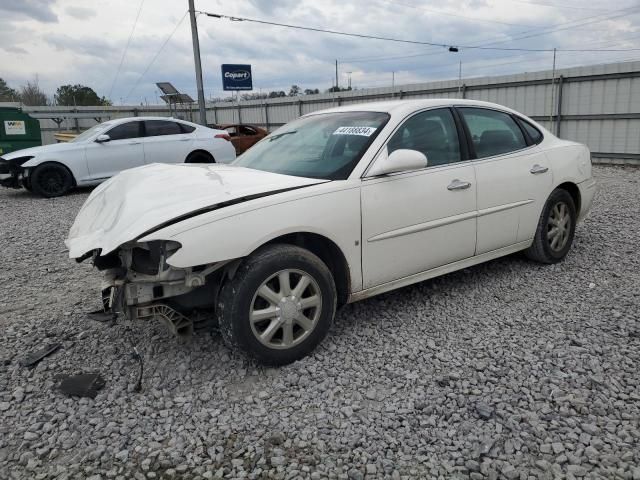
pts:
[324, 146]
[92, 131]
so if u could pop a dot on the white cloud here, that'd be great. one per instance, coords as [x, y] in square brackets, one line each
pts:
[64, 41]
[81, 13]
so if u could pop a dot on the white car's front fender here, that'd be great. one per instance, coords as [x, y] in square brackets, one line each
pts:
[334, 215]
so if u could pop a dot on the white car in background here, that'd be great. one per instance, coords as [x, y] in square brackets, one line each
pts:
[334, 207]
[110, 147]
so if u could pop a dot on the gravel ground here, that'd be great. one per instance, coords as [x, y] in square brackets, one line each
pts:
[506, 370]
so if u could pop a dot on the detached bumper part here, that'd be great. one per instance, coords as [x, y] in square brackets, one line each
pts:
[180, 325]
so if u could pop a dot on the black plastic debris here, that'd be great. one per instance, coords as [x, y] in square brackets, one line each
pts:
[34, 358]
[81, 385]
[101, 316]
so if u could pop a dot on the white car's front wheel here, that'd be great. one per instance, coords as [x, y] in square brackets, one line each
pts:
[51, 179]
[279, 305]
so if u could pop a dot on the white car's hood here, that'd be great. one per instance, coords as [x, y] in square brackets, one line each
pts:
[34, 151]
[140, 199]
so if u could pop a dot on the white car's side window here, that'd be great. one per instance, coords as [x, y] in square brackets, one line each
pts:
[433, 133]
[492, 132]
[157, 128]
[125, 131]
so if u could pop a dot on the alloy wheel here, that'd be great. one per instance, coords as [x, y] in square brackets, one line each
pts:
[285, 309]
[559, 226]
[51, 181]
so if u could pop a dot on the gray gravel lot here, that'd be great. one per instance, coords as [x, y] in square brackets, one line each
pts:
[506, 370]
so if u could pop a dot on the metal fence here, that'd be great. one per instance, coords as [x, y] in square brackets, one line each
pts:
[597, 105]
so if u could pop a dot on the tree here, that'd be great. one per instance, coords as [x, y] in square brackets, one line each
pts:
[338, 89]
[30, 94]
[277, 94]
[79, 95]
[311, 91]
[7, 94]
[294, 91]
[253, 96]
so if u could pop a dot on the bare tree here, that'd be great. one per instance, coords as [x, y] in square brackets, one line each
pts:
[31, 94]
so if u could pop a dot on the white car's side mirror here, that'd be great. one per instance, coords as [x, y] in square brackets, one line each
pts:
[401, 160]
[103, 138]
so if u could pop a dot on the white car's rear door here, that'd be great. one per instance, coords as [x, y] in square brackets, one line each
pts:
[513, 178]
[415, 221]
[124, 150]
[165, 142]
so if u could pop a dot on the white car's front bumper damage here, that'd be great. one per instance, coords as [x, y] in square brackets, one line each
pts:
[12, 174]
[139, 284]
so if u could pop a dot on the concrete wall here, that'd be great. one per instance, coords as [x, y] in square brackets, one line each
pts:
[597, 105]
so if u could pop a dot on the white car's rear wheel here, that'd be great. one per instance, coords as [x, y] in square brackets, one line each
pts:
[556, 228]
[279, 305]
[200, 156]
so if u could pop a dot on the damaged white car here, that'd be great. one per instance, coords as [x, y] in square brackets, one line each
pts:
[334, 207]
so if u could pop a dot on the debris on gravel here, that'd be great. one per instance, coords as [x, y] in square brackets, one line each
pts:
[510, 369]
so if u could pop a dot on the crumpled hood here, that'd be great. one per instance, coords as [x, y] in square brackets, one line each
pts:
[33, 151]
[140, 199]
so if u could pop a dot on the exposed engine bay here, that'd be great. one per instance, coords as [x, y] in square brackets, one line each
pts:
[140, 284]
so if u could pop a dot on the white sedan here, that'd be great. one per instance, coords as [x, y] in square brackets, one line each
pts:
[334, 207]
[110, 147]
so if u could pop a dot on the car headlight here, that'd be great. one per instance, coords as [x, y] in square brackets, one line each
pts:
[6, 166]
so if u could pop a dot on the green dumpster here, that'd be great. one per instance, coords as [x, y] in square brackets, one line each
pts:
[17, 130]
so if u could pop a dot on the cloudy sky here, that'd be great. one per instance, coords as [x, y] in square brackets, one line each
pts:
[73, 41]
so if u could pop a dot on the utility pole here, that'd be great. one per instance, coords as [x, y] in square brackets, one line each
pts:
[349, 77]
[460, 77]
[553, 91]
[336, 75]
[196, 60]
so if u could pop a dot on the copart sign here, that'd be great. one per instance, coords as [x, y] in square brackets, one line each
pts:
[236, 77]
[14, 127]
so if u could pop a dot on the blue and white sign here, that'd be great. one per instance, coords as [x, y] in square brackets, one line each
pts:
[236, 77]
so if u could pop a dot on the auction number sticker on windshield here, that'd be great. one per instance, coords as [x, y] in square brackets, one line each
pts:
[364, 131]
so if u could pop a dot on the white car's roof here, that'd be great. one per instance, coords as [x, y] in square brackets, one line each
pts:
[115, 121]
[408, 106]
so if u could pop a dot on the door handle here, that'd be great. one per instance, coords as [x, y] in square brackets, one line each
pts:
[185, 139]
[458, 185]
[538, 169]
[134, 143]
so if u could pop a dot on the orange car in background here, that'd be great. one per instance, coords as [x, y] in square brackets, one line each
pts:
[244, 136]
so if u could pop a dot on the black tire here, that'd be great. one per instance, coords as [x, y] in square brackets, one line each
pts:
[51, 180]
[26, 183]
[239, 296]
[543, 249]
[200, 157]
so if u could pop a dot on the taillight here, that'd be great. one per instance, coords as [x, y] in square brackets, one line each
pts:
[224, 135]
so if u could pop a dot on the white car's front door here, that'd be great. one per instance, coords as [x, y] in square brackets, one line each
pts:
[122, 151]
[513, 177]
[415, 221]
[165, 142]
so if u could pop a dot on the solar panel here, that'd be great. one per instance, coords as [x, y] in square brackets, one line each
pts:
[167, 88]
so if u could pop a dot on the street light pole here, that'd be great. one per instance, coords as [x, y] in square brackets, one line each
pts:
[196, 60]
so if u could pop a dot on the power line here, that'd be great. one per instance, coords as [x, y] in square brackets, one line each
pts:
[175, 29]
[450, 46]
[124, 53]
[567, 25]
